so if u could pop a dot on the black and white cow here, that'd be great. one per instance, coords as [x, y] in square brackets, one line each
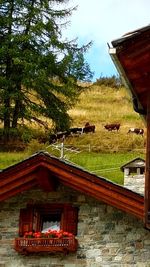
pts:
[136, 131]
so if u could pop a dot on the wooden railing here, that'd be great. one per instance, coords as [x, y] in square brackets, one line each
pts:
[29, 245]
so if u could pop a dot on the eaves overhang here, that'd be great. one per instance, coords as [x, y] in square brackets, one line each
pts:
[131, 56]
[98, 188]
[28, 174]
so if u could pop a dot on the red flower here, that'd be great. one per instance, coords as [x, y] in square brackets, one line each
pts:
[48, 234]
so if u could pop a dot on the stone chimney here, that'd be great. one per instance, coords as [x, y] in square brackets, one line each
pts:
[134, 175]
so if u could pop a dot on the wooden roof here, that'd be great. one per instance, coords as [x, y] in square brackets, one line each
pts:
[131, 55]
[135, 163]
[46, 171]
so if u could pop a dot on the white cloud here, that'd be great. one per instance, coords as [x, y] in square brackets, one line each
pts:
[104, 21]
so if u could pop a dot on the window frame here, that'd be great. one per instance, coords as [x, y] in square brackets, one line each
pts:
[31, 217]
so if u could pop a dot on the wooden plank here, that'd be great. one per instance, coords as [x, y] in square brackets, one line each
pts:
[127, 47]
[45, 179]
[9, 176]
[147, 175]
[19, 182]
[18, 190]
[69, 171]
[128, 201]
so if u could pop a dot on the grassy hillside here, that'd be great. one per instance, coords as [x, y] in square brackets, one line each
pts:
[102, 105]
[101, 152]
[105, 152]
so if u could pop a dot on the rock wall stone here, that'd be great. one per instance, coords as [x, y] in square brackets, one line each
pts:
[135, 183]
[106, 236]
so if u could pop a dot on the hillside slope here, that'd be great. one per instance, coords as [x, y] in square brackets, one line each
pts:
[98, 105]
[102, 105]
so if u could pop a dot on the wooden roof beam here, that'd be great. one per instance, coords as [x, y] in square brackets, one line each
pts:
[17, 190]
[45, 179]
[18, 182]
[128, 202]
[147, 174]
[136, 208]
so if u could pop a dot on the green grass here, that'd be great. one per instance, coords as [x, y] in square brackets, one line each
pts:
[11, 158]
[104, 164]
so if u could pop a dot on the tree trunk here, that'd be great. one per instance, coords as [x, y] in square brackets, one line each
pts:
[17, 108]
[7, 101]
[7, 120]
[15, 114]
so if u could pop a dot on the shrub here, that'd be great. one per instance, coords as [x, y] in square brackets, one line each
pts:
[113, 81]
[34, 146]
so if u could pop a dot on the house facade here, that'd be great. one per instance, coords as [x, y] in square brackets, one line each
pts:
[106, 219]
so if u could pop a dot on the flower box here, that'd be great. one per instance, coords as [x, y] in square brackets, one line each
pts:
[31, 245]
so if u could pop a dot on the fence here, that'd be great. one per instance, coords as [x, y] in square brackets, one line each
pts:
[63, 149]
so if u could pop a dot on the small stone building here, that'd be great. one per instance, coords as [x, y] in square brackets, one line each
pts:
[135, 166]
[105, 220]
[134, 175]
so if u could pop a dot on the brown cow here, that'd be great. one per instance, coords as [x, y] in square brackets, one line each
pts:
[88, 129]
[112, 127]
[87, 124]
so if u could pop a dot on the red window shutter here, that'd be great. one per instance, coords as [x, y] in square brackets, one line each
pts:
[70, 219]
[26, 220]
[37, 223]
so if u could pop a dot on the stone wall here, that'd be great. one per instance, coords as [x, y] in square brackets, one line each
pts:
[135, 183]
[107, 237]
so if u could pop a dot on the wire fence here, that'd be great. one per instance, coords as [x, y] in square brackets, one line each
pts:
[65, 150]
[90, 148]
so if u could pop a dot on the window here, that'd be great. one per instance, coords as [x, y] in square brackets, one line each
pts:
[51, 222]
[48, 216]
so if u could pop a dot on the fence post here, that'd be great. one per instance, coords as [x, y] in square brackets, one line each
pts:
[62, 150]
[89, 148]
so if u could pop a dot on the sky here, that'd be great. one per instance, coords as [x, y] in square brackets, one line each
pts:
[103, 21]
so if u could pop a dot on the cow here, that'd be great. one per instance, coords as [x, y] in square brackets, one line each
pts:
[136, 131]
[58, 136]
[61, 135]
[76, 130]
[89, 128]
[52, 138]
[112, 127]
[87, 124]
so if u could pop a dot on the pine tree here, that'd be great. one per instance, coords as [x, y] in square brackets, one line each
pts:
[39, 71]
